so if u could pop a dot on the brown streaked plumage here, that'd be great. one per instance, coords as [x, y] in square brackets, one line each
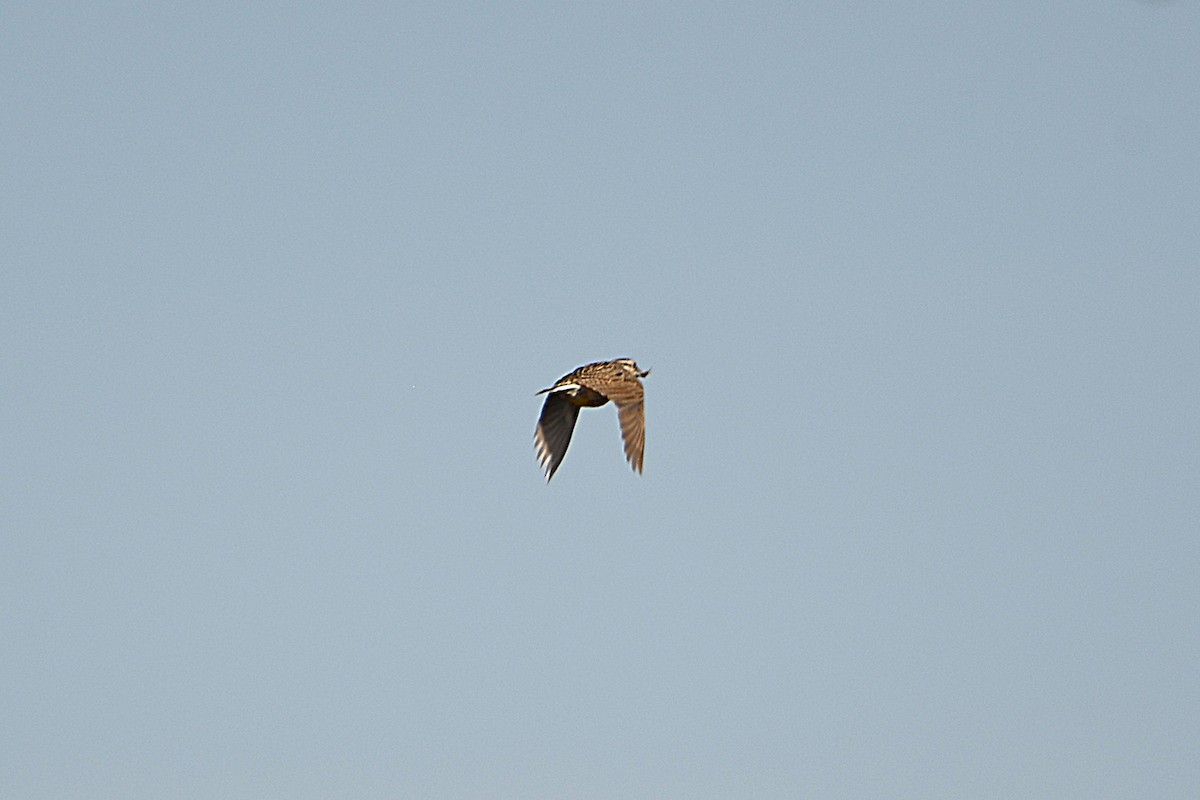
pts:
[592, 385]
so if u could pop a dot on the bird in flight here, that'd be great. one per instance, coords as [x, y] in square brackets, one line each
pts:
[592, 385]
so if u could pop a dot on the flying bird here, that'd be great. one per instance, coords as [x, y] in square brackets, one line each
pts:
[592, 385]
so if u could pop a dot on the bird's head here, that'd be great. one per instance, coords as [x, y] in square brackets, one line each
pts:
[629, 365]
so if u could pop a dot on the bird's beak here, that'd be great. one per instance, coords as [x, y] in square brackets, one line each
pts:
[644, 374]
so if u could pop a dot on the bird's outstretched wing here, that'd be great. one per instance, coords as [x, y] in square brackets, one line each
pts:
[633, 431]
[627, 393]
[553, 433]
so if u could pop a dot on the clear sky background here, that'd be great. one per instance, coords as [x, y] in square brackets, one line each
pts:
[920, 286]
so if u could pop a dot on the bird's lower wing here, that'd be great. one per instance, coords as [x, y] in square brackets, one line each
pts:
[633, 431]
[553, 433]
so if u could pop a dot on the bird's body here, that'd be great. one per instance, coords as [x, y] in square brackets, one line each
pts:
[589, 386]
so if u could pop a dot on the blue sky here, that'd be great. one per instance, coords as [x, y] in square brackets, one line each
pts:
[919, 286]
